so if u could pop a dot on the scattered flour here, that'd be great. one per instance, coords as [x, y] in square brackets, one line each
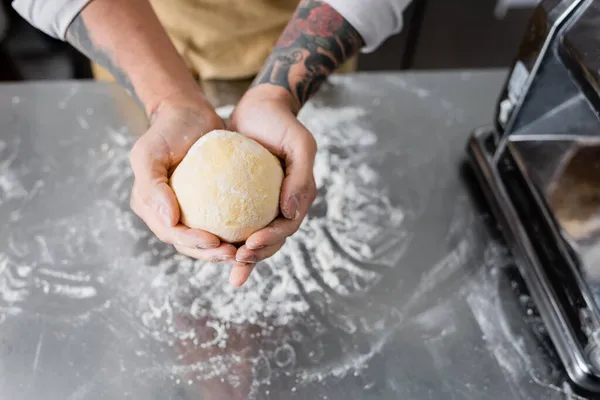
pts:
[328, 253]
[510, 349]
[100, 258]
[69, 261]
[483, 301]
[331, 258]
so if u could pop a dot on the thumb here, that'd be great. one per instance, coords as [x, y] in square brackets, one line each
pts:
[150, 160]
[164, 203]
[298, 190]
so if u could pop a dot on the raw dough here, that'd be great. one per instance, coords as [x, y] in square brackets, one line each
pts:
[229, 185]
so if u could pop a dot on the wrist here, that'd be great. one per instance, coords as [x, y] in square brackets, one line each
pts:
[190, 106]
[190, 98]
[273, 93]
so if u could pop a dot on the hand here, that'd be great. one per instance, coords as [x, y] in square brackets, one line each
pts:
[176, 125]
[266, 114]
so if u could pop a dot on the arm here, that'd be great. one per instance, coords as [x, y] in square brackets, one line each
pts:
[138, 52]
[134, 48]
[125, 37]
[323, 35]
[315, 42]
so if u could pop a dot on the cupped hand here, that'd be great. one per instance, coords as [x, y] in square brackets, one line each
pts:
[266, 114]
[176, 124]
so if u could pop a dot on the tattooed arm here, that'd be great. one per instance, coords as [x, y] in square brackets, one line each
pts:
[126, 38]
[316, 41]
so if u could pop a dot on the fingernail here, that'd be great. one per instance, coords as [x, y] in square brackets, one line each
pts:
[251, 246]
[204, 246]
[292, 208]
[164, 214]
[249, 259]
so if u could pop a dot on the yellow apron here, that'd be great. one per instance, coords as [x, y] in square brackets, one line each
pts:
[223, 42]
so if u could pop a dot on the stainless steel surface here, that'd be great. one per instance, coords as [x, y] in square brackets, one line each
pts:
[396, 287]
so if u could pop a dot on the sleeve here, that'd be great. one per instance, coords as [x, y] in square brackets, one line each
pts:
[53, 17]
[375, 20]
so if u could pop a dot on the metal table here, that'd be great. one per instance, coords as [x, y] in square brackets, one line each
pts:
[396, 287]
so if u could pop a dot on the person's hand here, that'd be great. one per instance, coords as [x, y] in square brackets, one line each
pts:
[176, 125]
[267, 114]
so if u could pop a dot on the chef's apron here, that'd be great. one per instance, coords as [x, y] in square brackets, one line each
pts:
[223, 42]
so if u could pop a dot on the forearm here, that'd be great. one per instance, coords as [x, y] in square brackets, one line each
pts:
[126, 38]
[315, 42]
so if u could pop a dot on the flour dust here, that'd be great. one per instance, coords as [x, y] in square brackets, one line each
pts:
[97, 257]
[293, 302]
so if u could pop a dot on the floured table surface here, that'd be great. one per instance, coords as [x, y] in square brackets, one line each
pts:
[394, 288]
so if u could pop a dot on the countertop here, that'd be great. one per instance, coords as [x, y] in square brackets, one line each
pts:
[396, 287]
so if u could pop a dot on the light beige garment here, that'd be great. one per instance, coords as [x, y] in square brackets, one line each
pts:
[224, 39]
[223, 42]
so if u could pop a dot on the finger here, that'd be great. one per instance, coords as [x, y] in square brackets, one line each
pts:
[298, 190]
[240, 273]
[225, 252]
[194, 238]
[151, 217]
[150, 162]
[179, 234]
[276, 232]
[245, 255]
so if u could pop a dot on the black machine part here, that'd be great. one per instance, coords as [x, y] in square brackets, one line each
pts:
[539, 166]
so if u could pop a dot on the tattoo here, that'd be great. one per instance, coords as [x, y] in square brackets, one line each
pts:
[78, 36]
[315, 42]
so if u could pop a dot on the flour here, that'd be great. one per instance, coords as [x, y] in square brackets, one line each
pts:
[11, 186]
[183, 303]
[63, 260]
[83, 123]
[84, 292]
[483, 302]
[327, 253]
[293, 321]
[97, 257]
[511, 349]
[330, 258]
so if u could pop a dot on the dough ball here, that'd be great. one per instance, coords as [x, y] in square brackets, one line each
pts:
[228, 185]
